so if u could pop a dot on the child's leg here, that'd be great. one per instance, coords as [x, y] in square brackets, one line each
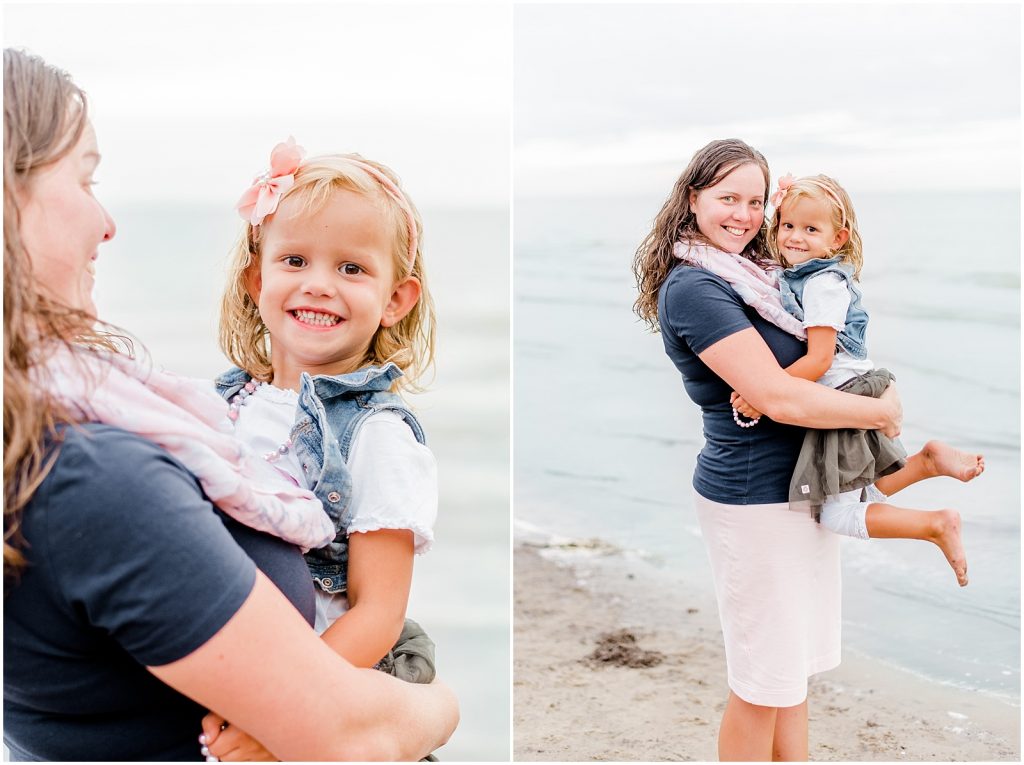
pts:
[935, 459]
[845, 514]
[940, 527]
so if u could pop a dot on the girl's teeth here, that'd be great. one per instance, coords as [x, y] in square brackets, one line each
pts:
[319, 319]
[734, 231]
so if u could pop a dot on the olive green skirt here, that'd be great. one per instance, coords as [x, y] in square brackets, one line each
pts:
[834, 461]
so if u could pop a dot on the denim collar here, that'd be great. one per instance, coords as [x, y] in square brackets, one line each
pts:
[370, 378]
[814, 265]
[364, 380]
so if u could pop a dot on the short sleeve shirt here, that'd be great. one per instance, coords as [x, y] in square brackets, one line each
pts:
[129, 566]
[394, 476]
[826, 300]
[737, 466]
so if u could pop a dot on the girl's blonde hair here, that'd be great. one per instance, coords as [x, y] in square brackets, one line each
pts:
[676, 221]
[409, 343]
[826, 190]
[45, 115]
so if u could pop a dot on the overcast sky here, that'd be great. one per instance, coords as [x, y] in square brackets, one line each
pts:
[615, 98]
[188, 100]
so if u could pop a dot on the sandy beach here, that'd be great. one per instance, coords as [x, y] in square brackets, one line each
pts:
[606, 668]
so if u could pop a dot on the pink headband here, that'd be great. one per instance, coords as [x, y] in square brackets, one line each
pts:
[786, 183]
[396, 194]
[262, 198]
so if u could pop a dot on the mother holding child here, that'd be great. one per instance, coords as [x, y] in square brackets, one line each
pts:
[751, 318]
[155, 587]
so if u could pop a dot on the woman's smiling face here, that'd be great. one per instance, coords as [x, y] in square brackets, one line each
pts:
[63, 224]
[730, 213]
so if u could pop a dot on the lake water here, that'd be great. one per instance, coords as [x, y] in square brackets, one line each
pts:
[162, 276]
[606, 440]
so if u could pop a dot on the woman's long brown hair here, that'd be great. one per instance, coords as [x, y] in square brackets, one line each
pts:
[676, 221]
[44, 117]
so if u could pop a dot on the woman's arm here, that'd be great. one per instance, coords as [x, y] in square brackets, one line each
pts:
[307, 703]
[379, 577]
[746, 364]
[821, 350]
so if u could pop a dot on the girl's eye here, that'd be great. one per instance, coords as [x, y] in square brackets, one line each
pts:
[811, 229]
[351, 269]
[728, 198]
[757, 203]
[294, 261]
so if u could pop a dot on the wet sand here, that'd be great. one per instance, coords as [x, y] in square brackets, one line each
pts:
[600, 673]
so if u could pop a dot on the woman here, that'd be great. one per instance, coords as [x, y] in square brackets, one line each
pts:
[776, 571]
[131, 606]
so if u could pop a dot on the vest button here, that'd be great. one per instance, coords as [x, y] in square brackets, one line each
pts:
[334, 497]
[327, 581]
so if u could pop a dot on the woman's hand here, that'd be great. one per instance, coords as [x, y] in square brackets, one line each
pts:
[285, 702]
[740, 405]
[892, 396]
[229, 743]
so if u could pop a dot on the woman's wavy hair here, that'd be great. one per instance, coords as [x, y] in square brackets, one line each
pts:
[826, 190]
[45, 114]
[677, 222]
[409, 343]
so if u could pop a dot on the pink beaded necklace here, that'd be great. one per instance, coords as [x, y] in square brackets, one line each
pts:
[244, 397]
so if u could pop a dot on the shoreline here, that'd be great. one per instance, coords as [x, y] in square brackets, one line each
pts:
[655, 688]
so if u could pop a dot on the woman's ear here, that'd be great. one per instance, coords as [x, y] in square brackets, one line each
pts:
[842, 237]
[403, 298]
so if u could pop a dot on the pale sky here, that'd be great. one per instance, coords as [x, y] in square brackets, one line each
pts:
[616, 99]
[188, 100]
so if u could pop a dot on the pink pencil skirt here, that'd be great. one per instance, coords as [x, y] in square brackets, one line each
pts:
[778, 585]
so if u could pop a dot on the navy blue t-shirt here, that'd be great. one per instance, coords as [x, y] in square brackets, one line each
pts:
[129, 566]
[737, 466]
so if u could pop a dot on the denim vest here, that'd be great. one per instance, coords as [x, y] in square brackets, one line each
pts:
[330, 412]
[792, 282]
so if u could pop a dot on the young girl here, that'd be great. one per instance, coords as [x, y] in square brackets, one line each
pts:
[813, 235]
[327, 315]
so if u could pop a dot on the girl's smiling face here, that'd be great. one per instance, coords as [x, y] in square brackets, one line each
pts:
[326, 284]
[806, 231]
[730, 213]
[63, 224]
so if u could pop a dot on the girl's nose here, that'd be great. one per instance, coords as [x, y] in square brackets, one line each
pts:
[318, 283]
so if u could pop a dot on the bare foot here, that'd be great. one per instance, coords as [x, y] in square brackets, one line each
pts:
[946, 534]
[942, 459]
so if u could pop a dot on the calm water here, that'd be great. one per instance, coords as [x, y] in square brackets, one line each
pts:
[606, 440]
[161, 278]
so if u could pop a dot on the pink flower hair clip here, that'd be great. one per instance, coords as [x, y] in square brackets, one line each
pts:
[785, 183]
[261, 199]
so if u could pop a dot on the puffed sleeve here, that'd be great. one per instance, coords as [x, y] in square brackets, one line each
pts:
[394, 480]
[826, 299]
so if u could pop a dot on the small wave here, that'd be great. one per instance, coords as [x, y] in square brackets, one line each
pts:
[946, 316]
[1002, 616]
[646, 500]
[660, 440]
[951, 376]
[562, 300]
[1007, 697]
[582, 476]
